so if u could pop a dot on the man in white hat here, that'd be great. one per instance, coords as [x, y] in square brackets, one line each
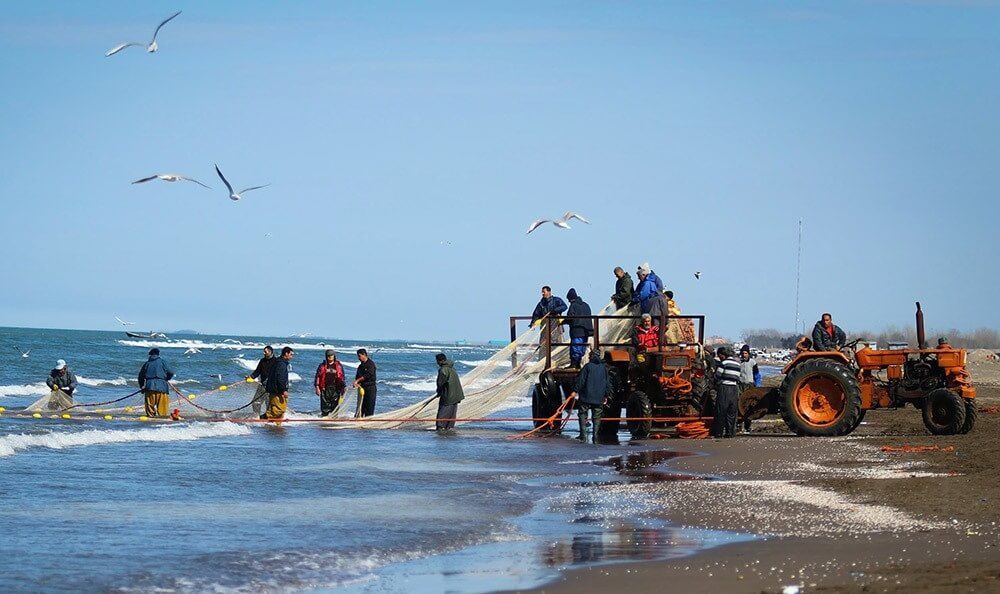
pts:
[61, 378]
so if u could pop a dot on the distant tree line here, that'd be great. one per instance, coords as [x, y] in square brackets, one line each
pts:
[981, 338]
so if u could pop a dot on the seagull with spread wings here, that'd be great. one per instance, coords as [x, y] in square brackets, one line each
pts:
[150, 47]
[235, 195]
[24, 354]
[170, 177]
[562, 223]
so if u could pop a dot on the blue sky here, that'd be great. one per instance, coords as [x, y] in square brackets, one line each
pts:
[694, 136]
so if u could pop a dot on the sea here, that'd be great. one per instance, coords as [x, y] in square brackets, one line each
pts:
[195, 506]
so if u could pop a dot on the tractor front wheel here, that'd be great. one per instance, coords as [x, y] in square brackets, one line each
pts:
[944, 412]
[638, 406]
[821, 398]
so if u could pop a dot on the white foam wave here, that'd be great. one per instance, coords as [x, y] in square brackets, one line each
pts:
[211, 346]
[38, 389]
[11, 444]
[422, 385]
[120, 381]
[479, 362]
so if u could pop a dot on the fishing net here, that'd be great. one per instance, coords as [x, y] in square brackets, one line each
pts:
[508, 376]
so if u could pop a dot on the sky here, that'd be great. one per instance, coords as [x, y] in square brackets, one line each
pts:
[409, 145]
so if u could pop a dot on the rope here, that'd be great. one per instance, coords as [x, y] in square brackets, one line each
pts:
[100, 403]
[206, 409]
[678, 383]
[550, 422]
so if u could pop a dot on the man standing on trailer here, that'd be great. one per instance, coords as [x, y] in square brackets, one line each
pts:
[623, 288]
[579, 329]
[549, 306]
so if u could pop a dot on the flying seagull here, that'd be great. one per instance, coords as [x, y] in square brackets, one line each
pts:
[697, 275]
[123, 322]
[24, 354]
[150, 47]
[235, 195]
[170, 177]
[191, 351]
[562, 223]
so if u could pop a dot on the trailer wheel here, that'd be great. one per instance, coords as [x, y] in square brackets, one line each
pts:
[542, 406]
[821, 398]
[944, 412]
[636, 406]
[971, 414]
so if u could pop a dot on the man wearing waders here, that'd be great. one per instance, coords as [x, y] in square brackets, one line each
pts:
[153, 378]
[329, 384]
[61, 379]
[277, 386]
[591, 390]
[449, 393]
[365, 379]
[261, 374]
[728, 376]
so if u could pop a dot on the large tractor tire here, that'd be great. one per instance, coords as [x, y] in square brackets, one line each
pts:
[861, 417]
[944, 412]
[971, 414]
[544, 402]
[638, 405]
[821, 398]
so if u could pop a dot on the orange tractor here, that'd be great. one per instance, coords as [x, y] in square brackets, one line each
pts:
[828, 393]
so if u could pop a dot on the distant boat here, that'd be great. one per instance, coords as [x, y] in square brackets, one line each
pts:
[145, 334]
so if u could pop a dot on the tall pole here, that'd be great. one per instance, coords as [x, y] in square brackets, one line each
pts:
[798, 276]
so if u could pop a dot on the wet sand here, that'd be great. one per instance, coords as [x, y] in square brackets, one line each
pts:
[835, 515]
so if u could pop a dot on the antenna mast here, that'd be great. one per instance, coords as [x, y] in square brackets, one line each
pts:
[798, 276]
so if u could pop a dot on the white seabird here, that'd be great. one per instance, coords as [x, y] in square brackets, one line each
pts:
[170, 177]
[24, 354]
[192, 351]
[562, 222]
[150, 47]
[123, 322]
[235, 195]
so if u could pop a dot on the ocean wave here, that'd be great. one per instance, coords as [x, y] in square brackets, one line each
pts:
[120, 381]
[38, 389]
[420, 385]
[478, 362]
[11, 444]
[201, 345]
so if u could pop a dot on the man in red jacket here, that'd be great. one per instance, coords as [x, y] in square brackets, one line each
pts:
[330, 384]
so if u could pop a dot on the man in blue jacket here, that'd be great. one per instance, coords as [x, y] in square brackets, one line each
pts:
[650, 287]
[277, 386]
[153, 378]
[550, 306]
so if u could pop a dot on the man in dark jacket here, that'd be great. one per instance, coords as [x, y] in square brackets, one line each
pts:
[277, 386]
[579, 329]
[623, 288]
[549, 307]
[61, 378]
[366, 380]
[591, 390]
[153, 378]
[449, 393]
[260, 374]
[827, 336]
[330, 384]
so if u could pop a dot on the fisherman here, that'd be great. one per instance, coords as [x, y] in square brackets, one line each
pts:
[449, 393]
[579, 329]
[277, 386]
[330, 384]
[727, 375]
[365, 379]
[549, 306]
[646, 335]
[153, 378]
[591, 390]
[944, 345]
[649, 286]
[623, 288]
[748, 374]
[61, 378]
[260, 374]
[827, 336]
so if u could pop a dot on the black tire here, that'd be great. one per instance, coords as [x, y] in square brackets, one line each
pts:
[944, 412]
[638, 405]
[971, 414]
[809, 418]
[861, 417]
[542, 406]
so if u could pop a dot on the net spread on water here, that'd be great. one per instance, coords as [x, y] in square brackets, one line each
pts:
[506, 377]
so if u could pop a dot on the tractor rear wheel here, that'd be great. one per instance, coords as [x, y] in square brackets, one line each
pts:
[821, 397]
[861, 417]
[971, 414]
[638, 406]
[944, 412]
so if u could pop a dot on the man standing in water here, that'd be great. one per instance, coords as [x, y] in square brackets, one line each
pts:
[153, 378]
[330, 384]
[449, 392]
[365, 379]
[61, 378]
[277, 386]
[591, 390]
[261, 373]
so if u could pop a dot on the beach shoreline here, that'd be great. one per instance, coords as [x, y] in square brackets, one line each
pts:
[834, 515]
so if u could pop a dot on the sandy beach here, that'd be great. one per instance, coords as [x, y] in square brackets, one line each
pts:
[833, 515]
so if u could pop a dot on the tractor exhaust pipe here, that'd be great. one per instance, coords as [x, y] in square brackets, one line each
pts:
[921, 337]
